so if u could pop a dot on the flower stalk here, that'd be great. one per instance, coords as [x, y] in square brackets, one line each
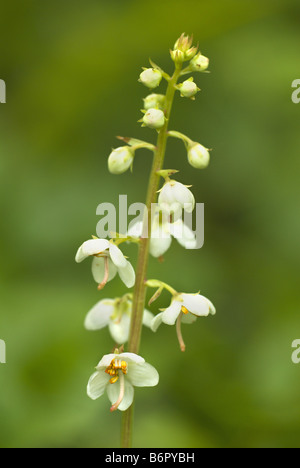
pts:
[143, 254]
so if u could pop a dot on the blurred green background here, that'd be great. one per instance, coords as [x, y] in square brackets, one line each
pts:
[71, 71]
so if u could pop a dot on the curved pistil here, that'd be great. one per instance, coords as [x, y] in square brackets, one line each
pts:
[178, 330]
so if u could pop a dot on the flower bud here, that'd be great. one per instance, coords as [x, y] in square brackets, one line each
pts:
[183, 43]
[198, 156]
[154, 101]
[174, 197]
[189, 54]
[177, 56]
[120, 160]
[183, 49]
[154, 118]
[199, 63]
[188, 88]
[151, 77]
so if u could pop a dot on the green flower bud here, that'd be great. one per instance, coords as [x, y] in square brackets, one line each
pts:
[183, 49]
[183, 43]
[151, 77]
[177, 56]
[154, 118]
[188, 88]
[154, 101]
[120, 160]
[199, 63]
[189, 54]
[198, 156]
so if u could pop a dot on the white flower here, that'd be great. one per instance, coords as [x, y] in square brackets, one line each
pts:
[162, 233]
[151, 77]
[118, 374]
[198, 156]
[174, 197]
[116, 314]
[199, 63]
[154, 118]
[188, 88]
[120, 159]
[184, 308]
[108, 261]
[154, 101]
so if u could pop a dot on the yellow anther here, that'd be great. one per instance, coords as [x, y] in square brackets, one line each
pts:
[113, 369]
[124, 367]
[114, 379]
[184, 310]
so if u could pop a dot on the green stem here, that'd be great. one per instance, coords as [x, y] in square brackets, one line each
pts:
[143, 254]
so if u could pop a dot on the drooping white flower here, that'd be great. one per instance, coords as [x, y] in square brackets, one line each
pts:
[162, 233]
[154, 118]
[116, 314]
[174, 197]
[198, 155]
[120, 159]
[118, 374]
[151, 78]
[107, 262]
[188, 88]
[184, 308]
[154, 101]
[199, 63]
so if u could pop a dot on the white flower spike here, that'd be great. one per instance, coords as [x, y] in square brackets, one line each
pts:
[118, 374]
[108, 261]
[174, 197]
[184, 308]
[116, 314]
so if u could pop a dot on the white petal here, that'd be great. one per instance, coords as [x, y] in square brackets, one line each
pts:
[212, 308]
[170, 315]
[156, 322]
[119, 329]
[196, 304]
[147, 318]
[131, 357]
[174, 208]
[98, 269]
[188, 318]
[106, 360]
[97, 384]
[99, 316]
[184, 196]
[91, 247]
[79, 255]
[184, 235]
[117, 256]
[127, 275]
[113, 391]
[166, 194]
[136, 229]
[159, 246]
[142, 375]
